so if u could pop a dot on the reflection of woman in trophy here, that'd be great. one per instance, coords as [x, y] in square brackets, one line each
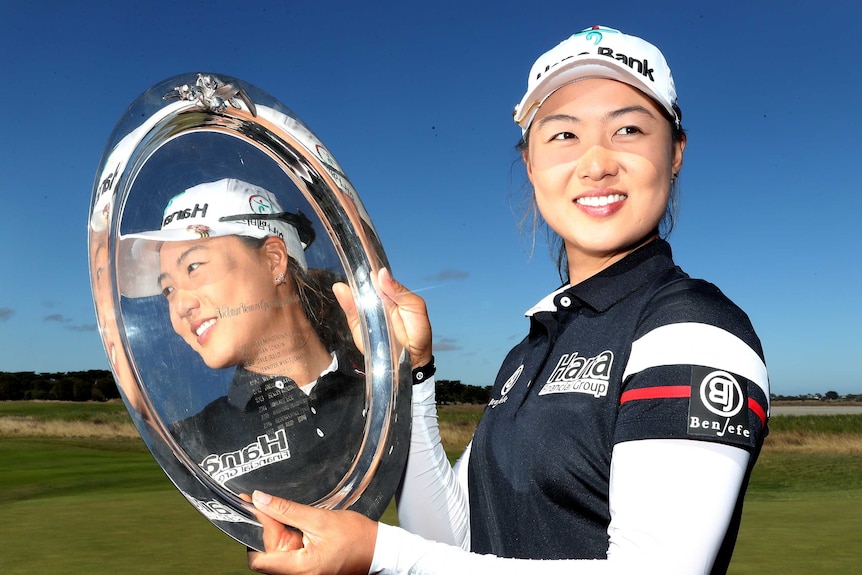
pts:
[198, 495]
[103, 298]
[231, 265]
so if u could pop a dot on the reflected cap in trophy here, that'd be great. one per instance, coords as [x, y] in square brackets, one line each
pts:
[213, 209]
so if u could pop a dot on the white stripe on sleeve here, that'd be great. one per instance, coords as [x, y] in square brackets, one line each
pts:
[697, 344]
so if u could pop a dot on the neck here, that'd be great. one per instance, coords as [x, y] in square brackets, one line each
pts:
[583, 265]
[292, 349]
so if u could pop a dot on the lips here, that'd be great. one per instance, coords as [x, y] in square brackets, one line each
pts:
[599, 201]
[200, 328]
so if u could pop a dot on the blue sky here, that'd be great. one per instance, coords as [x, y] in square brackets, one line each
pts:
[414, 99]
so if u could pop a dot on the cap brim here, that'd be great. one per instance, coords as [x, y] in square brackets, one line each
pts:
[139, 265]
[581, 69]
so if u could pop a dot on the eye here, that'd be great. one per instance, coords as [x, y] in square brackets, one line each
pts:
[564, 136]
[628, 131]
[167, 291]
[193, 266]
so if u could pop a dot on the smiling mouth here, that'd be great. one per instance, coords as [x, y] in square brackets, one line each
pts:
[202, 328]
[599, 201]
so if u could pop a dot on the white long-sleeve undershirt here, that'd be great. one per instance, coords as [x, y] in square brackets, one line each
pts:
[671, 501]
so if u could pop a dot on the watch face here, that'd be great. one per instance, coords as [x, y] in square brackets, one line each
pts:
[220, 231]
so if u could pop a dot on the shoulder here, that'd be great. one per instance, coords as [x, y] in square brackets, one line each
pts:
[684, 306]
[689, 322]
[204, 419]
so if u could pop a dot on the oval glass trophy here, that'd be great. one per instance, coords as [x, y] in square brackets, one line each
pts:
[219, 224]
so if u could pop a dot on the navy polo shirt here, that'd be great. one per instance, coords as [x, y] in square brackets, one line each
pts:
[268, 434]
[638, 351]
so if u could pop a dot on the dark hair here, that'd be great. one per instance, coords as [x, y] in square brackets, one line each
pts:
[314, 289]
[556, 244]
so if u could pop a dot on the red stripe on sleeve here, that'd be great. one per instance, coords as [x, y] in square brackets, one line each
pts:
[671, 391]
[663, 392]
[758, 410]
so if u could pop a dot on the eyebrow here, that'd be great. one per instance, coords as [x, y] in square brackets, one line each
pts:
[182, 257]
[558, 117]
[630, 110]
[609, 116]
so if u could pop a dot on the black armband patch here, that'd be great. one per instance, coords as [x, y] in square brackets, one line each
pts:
[718, 407]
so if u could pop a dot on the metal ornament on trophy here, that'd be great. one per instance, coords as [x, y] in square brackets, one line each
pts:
[219, 224]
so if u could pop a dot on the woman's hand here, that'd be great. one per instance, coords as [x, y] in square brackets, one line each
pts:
[330, 542]
[406, 309]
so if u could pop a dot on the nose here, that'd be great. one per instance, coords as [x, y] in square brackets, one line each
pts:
[184, 303]
[597, 163]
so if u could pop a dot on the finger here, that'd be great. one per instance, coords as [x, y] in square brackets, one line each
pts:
[344, 296]
[291, 513]
[277, 563]
[409, 317]
[393, 289]
[276, 535]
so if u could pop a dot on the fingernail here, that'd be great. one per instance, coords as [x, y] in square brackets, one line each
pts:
[261, 497]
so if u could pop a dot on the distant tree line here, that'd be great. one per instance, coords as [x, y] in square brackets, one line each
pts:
[453, 391]
[91, 385]
[99, 385]
[828, 396]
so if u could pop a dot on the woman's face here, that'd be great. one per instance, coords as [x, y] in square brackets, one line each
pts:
[105, 315]
[601, 158]
[220, 293]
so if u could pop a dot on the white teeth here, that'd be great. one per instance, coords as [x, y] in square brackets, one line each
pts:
[598, 201]
[204, 326]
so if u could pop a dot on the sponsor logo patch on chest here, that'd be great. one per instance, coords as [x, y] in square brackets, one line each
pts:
[576, 374]
[268, 449]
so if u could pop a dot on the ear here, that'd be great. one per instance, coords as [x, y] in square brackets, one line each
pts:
[678, 151]
[525, 155]
[276, 254]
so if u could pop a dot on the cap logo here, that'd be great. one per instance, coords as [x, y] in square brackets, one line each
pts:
[260, 205]
[642, 65]
[202, 231]
[595, 33]
[186, 213]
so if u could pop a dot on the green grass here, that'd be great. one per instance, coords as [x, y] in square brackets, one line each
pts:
[788, 475]
[800, 535]
[105, 531]
[802, 515]
[100, 506]
[51, 467]
[66, 410]
[832, 425]
[94, 506]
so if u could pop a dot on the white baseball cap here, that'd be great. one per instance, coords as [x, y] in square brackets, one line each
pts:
[599, 52]
[213, 209]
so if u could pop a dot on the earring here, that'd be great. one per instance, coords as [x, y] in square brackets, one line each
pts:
[280, 279]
